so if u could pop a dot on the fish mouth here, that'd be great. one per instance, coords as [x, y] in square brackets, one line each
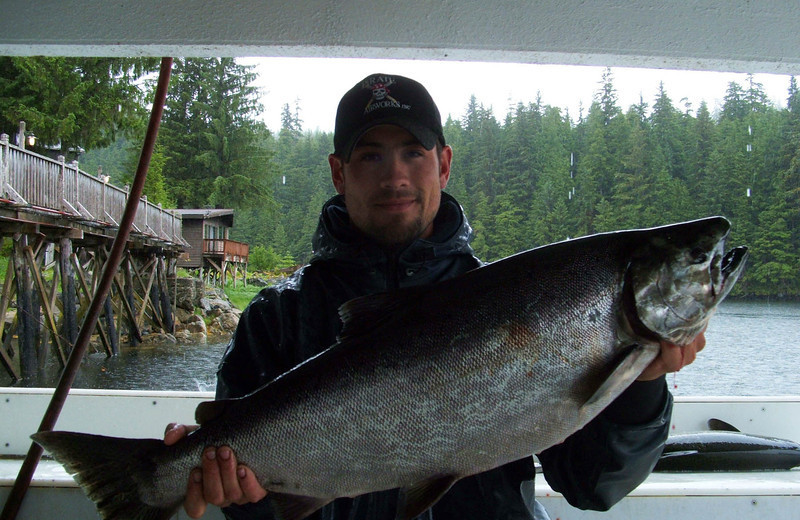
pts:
[725, 270]
[731, 268]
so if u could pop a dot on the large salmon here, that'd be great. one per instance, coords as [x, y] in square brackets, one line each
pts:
[431, 384]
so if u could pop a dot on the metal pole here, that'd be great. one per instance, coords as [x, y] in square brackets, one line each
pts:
[90, 322]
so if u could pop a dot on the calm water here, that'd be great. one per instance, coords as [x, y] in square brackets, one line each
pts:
[752, 349]
[166, 368]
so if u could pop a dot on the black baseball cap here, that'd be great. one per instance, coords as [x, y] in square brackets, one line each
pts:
[381, 99]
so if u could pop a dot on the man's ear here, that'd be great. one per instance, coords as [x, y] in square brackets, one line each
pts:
[445, 159]
[337, 172]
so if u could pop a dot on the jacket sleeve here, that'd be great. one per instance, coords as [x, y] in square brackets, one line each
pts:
[600, 464]
[253, 358]
[255, 355]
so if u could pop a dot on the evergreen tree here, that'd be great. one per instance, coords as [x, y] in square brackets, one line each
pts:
[601, 157]
[735, 105]
[304, 185]
[72, 104]
[665, 122]
[701, 141]
[214, 147]
[789, 187]
[549, 213]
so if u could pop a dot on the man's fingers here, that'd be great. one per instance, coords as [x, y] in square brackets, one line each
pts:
[251, 489]
[672, 358]
[219, 481]
[212, 480]
[228, 472]
[689, 352]
[700, 342]
[176, 432]
[195, 503]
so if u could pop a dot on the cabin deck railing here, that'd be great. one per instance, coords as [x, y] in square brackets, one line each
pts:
[31, 180]
[231, 250]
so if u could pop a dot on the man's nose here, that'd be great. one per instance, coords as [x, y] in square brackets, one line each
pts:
[395, 173]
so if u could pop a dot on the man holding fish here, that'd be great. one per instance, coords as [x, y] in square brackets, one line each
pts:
[391, 227]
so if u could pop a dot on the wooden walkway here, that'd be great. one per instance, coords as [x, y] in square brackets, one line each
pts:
[38, 190]
[61, 222]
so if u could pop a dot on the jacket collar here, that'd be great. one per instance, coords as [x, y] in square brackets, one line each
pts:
[336, 239]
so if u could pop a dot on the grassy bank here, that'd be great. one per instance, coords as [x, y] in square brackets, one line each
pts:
[241, 296]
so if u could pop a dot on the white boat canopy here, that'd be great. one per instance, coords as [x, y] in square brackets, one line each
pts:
[722, 35]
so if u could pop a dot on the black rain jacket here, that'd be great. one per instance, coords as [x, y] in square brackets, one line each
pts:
[288, 323]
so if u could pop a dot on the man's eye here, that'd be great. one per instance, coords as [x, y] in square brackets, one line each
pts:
[369, 157]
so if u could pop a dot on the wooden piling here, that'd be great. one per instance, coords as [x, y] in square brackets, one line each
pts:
[25, 322]
[166, 307]
[69, 327]
[134, 336]
[111, 330]
[42, 303]
[6, 334]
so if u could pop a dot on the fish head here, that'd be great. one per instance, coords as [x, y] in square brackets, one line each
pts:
[680, 274]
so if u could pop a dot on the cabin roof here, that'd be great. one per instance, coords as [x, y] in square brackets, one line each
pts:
[226, 215]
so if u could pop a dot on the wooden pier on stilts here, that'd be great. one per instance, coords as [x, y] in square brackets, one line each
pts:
[58, 224]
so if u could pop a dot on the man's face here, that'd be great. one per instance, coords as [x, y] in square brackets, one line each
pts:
[392, 184]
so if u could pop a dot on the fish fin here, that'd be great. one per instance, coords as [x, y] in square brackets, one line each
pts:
[626, 371]
[208, 410]
[683, 453]
[418, 498]
[295, 507]
[366, 313]
[718, 425]
[109, 469]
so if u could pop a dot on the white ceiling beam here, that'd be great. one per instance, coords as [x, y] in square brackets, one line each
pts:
[733, 35]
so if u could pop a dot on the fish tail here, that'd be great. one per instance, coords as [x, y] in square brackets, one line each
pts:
[110, 470]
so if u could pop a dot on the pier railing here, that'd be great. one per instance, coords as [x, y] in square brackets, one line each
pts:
[31, 180]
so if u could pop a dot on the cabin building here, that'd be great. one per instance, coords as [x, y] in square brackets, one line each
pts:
[209, 249]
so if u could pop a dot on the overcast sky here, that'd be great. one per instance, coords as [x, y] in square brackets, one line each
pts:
[317, 84]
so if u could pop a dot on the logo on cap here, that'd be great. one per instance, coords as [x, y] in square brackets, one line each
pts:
[379, 85]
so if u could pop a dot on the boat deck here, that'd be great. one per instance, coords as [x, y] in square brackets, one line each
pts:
[676, 496]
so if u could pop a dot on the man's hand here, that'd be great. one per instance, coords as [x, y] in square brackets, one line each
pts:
[219, 481]
[673, 358]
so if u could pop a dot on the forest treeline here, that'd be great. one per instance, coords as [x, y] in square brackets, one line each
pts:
[531, 176]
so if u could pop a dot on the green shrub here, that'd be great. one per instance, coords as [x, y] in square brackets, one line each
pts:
[266, 259]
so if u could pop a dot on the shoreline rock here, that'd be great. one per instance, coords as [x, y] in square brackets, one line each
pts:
[203, 315]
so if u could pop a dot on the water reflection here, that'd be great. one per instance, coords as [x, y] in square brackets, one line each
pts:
[154, 368]
[183, 367]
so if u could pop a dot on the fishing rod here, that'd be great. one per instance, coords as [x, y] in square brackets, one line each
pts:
[22, 483]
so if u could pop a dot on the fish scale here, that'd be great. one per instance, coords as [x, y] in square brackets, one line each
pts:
[430, 384]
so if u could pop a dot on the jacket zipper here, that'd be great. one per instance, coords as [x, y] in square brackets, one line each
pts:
[392, 278]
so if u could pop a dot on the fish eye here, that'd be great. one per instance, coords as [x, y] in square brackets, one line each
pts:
[698, 256]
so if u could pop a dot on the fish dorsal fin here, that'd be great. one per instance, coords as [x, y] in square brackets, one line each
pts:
[626, 371]
[681, 453]
[366, 313]
[718, 425]
[418, 498]
[295, 507]
[208, 410]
